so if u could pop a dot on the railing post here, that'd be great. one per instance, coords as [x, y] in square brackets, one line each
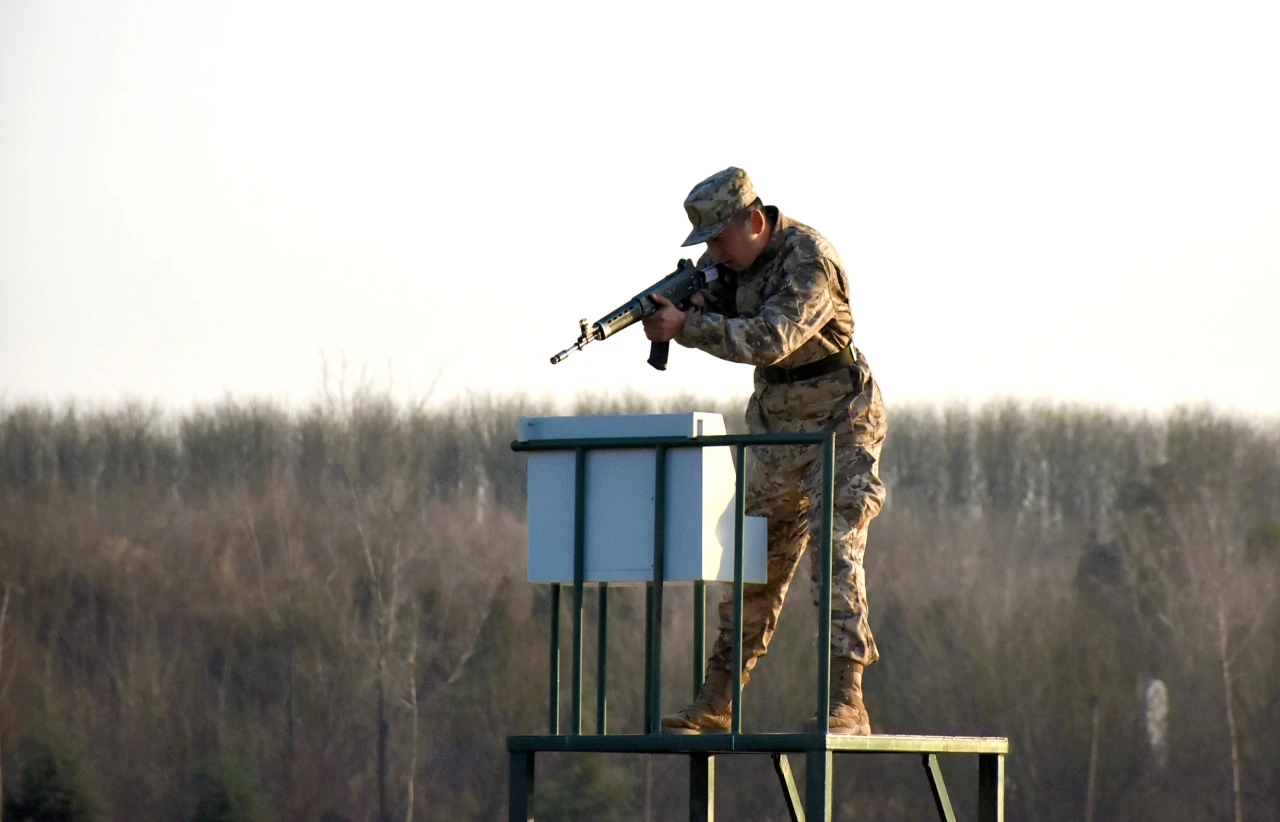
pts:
[699, 634]
[739, 523]
[579, 565]
[553, 708]
[649, 720]
[602, 661]
[824, 602]
[654, 695]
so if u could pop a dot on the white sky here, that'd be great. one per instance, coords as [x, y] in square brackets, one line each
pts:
[1067, 201]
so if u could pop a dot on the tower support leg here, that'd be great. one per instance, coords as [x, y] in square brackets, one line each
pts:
[817, 790]
[991, 788]
[941, 800]
[795, 807]
[702, 788]
[520, 787]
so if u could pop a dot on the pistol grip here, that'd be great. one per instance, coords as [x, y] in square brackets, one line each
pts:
[658, 355]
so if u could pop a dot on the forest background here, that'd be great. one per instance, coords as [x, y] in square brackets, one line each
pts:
[244, 612]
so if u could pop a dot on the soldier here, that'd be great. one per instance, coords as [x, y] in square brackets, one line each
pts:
[781, 303]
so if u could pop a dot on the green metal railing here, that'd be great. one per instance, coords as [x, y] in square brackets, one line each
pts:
[817, 747]
[654, 589]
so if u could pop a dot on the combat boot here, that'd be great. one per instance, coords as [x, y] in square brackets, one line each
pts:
[712, 711]
[848, 715]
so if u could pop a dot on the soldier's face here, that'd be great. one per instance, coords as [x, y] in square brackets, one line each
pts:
[737, 246]
[732, 247]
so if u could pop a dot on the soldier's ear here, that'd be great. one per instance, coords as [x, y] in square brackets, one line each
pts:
[757, 221]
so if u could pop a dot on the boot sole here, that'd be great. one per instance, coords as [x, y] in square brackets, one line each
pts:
[811, 727]
[691, 731]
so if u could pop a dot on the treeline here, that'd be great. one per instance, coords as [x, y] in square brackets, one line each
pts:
[246, 612]
[1057, 464]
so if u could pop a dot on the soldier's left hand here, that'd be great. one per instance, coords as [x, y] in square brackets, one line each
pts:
[666, 323]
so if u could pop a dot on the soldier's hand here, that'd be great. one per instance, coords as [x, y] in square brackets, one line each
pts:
[665, 323]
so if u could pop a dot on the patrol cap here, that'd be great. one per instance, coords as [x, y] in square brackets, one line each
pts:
[715, 200]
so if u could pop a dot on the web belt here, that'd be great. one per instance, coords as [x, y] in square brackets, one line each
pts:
[777, 375]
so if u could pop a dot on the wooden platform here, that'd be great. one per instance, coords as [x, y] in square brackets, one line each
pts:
[817, 750]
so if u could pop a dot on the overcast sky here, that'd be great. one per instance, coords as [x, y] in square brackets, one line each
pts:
[1063, 201]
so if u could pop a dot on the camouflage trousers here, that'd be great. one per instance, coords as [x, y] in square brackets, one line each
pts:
[783, 484]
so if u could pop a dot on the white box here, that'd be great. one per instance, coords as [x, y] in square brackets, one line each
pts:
[620, 512]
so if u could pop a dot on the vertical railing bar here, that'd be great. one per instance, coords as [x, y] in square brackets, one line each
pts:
[579, 567]
[739, 524]
[659, 576]
[649, 719]
[553, 709]
[602, 662]
[824, 609]
[699, 634]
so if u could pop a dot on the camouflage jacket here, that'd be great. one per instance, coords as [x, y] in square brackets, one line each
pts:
[791, 307]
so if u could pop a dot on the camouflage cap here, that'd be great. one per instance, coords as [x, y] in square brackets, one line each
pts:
[715, 200]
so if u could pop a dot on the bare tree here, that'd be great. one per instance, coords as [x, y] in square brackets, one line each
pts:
[411, 704]
[1206, 587]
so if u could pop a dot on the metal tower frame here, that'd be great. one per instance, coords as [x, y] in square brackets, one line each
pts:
[818, 748]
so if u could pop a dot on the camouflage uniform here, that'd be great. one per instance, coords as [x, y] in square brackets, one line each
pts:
[790, 308]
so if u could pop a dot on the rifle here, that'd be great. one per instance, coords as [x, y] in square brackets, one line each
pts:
[679, 287]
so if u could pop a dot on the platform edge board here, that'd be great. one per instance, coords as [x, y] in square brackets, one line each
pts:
[759, 743]
[920, 744]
